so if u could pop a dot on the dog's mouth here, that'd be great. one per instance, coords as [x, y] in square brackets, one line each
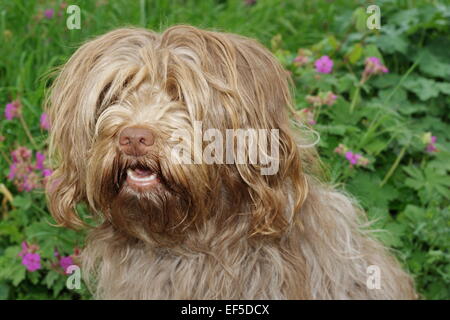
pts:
[141, 178]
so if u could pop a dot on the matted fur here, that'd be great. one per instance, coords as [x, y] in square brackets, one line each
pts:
[220, 231]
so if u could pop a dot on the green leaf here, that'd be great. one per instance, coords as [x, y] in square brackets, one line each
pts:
[366, 187]
[428, 182]
[376, 146]
[355, 53]
[414, 213]
[394, 231]
[4, 291]
[424, 88]
[411, 108]
[22, 202]
[444, 87]
[346, 82]
[392, 42]
[18, 273]
[34, 277]
[359, 19]
[50, 278]
[389, 81]
[433, 65]
[371, 50]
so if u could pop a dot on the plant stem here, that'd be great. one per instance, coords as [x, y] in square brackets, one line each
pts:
[355, 96]
[319, 109]
[402, 79]
[5, 156]
[394, 166]
[27, 131]
[373, 124]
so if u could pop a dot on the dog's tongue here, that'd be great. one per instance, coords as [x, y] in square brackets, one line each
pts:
[142, 172]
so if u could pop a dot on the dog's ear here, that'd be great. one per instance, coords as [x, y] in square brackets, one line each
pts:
[232, 82]
[91, 80]
[263, 91]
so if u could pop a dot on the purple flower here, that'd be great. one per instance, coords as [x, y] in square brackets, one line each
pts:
[374, 66]
[24, 249]
[352, 157]
[12, 110]
[40, 158]
[330, 99]
[49, 13]
[47, 172]
[431, 146]
[66, 262]
[29, 182]
[32, 261]
[301, 60]
[44, 122]
[324, 64]
[12, 171]
[21, 154]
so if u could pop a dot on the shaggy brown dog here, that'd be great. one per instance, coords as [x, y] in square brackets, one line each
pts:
[173, 230]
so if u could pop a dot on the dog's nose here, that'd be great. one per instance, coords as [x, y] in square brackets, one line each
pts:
[136, 141]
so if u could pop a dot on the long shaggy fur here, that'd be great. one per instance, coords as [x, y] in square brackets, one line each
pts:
[218, 231]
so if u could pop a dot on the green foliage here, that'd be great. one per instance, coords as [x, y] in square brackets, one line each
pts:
[388, 119]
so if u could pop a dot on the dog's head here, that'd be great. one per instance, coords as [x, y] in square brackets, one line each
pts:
[127, 111]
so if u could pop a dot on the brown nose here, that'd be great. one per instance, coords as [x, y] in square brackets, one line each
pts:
[136, 141]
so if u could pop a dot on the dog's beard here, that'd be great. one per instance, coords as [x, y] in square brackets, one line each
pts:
[141, 199]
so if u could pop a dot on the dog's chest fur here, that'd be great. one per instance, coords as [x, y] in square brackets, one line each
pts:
[243, 270]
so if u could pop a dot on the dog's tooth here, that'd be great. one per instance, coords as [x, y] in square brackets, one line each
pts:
[136, 178]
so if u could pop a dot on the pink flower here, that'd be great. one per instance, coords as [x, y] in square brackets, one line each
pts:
[374, 66]
[21, 154]
[324, 64]
[352, 157]
[431, 146]
[301, 60]
[44, 122]
[49, 13]
[12, 110]
[29, 182]
[22, 170]
[24, 249]
[355, 159]
[40, 158]
[308, 115]
[32, 261]
[341, 149]
[47, 173]
[330, 99]
[12, 171]
[315, 101]
[66, 262]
